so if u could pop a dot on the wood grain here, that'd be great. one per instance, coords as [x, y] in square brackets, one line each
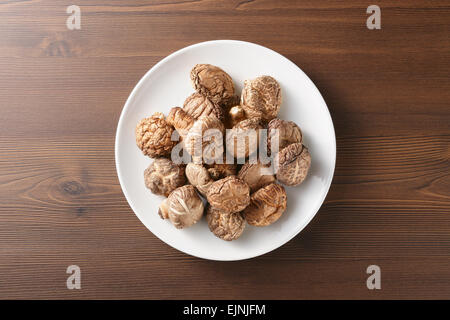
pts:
[61, 93]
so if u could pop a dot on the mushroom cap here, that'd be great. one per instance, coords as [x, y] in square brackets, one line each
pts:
[229, 194]
[153, 136]
[261, 97]
[292, 164]
[226, 104]
[266, 205]
[233, 116]
[221, 170]
[180, 120]
[198, 105]
[226, 226]
[163, 209]
[256, 175]
[212, 82]
[199, 177]
[288, 133]
[163, 176]
[183, 207]
[242, 140]
[204, 140]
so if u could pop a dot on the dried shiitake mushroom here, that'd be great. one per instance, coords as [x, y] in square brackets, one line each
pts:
[163, 176]
[183, 207]
[212, 82]
[180, 120]
[198, 105]
[199, 177]
[229, 194]
[256, 175]
[233, 112]
[233, 116]
[231, 102]
[153, 136]
[266, 205]
[287, 133]
[261, 97]
[221, 170]
[292, 164]
[242, 140]
[226, 226]
[204, 140]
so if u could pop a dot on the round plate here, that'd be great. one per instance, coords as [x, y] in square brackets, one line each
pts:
[167, 84]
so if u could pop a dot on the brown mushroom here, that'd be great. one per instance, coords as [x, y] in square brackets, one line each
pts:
[163, 176]
[261, 97]
[197, 105]
[218, 170]
[233, 116]
[204, 140]
[199, 177]
[212, 82]
[266, 205]
[292, 164]
[231, 102]
[180, 120]
[221, 170]
[256, 175]
[242, 140]
[226, 226]
[153, 136]
[287, 132]
[183, 207]
[229, 194]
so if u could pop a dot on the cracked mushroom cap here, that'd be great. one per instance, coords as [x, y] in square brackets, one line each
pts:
[231, 102]
[266, 205]
[163, 176]
[221, 170]
[212, 82]
[229, 194]
[153, 136]
[242, 140]
[226, 226]
[180, 120]
[199, 177]
[256, 175]
[197, 106]
[204, 140]
[292, 164]
[183, 207]
[287, 132]
[261, 97]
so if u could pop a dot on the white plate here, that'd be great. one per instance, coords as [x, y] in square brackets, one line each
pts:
[167, 84]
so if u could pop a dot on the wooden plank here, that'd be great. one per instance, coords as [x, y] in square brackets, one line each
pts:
[110, 276]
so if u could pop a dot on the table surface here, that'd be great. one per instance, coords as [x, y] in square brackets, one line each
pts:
[61, 94]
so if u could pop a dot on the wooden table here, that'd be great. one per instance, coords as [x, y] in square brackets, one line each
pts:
[61, 94]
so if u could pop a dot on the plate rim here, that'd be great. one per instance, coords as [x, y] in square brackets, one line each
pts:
[154, 69]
